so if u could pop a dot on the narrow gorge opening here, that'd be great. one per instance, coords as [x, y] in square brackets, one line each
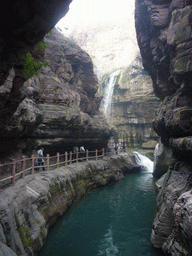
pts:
[53, 80]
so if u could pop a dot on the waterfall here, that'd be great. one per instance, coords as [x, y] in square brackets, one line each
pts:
[107, 99]
[144, 161]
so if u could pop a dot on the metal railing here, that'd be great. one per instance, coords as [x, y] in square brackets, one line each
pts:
[20, 168]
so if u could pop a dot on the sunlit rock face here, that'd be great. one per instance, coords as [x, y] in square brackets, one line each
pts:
[134, 105]
[164, 36]
[61, 105]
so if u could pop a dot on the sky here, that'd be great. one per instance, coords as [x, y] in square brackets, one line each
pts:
[110, 25]
[88, 12]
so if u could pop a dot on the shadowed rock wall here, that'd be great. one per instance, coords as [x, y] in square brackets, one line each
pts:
[164, 30]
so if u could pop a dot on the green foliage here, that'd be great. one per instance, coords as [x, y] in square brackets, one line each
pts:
[42, 45]
[26, 236]
[31, 65]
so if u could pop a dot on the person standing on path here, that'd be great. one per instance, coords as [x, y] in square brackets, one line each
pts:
[40, 160]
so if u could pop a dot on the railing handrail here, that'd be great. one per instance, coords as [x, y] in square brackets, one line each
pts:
[69, 158]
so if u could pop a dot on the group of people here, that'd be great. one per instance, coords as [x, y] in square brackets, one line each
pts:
[40, 160]
[120, 146]
[81, 152]
[81, 155]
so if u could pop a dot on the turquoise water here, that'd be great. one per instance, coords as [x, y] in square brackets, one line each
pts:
[112, 221]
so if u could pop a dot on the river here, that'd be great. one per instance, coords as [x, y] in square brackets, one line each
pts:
[112, 221]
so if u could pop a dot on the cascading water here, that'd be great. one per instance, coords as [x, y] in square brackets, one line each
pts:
[144, 161]
[106, 102]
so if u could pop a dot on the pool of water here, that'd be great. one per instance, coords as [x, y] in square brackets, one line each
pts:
[113, 221]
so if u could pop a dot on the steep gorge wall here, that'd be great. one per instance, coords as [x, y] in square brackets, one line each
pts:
[59, 106]
[164, 30]
[22, 27]
[134, 105]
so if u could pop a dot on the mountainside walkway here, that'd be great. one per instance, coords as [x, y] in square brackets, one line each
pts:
[12, 171]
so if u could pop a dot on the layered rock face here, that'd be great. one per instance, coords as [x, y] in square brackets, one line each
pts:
[134, 105]
[22, 27]
[164, 36]
[61, 103]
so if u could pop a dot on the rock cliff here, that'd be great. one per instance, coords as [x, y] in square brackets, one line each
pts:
[134, 105]
[164, 37]
[59, 106]
[29, 208]
[22, 27]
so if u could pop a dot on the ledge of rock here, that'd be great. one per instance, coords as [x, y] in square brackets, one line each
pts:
[29, 208]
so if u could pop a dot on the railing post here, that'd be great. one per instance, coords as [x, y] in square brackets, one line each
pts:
[77, 157]
[87, 155]
[47, 162]
[57, 160]
[66, 154]
[13, 172]
[70, 157]
[32, 164]
[23, 166]
[96, 154]
[103, 152]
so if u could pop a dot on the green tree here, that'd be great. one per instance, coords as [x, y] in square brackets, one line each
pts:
[31, 65]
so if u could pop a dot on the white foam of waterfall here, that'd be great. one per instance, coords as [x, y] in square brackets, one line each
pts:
[144, 161]
[107, 100]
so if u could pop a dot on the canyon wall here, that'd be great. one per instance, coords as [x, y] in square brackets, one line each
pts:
[57, 108]
[134, 105]
[28, 209]
[164, 30]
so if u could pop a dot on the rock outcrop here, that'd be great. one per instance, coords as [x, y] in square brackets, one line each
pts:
[23, 26]
[164, 35]
[162, 159]
[29, 208]
[60, 105]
